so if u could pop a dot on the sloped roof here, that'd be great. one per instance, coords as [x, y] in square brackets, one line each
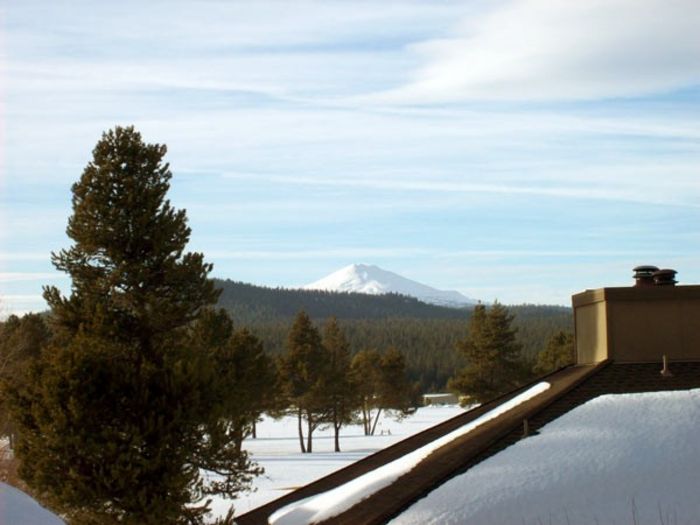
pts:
[618, 458]
[570, 387]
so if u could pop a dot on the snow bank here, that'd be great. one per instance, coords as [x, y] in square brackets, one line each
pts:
[17, 508]
[625, 459]
[328, 504]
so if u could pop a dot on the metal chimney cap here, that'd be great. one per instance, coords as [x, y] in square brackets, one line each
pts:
[643, 275]
[645, 269]
[665, 277]
[666, 271]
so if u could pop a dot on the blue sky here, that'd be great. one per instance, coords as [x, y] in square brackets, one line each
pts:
[512, 150]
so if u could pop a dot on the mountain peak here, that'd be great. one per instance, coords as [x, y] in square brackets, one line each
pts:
[371, 279]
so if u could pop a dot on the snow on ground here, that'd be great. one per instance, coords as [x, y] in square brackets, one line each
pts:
[333, 502]
[618, 459]
[17, 508]
[277, 450]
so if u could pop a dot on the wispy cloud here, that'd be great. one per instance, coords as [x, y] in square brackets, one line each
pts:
[610, 190]
[351, 254]
[545, 50]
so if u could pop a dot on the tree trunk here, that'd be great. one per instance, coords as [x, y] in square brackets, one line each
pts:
[255, 428]
[376, 420]
[301, 432]
[366, 418]
[238, 438]
[310, 429]
[336, 428]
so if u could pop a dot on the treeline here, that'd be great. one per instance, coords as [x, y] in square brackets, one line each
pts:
[251, 304]
[315, 378]
[322, 384]
[426, 334]
[427, 344]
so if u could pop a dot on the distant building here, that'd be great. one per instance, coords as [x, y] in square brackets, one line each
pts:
[440, 399]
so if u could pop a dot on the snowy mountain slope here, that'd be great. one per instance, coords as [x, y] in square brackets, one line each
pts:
[370, 279]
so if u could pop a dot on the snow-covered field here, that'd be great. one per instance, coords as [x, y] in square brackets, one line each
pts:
[618, 459]
[277, 450]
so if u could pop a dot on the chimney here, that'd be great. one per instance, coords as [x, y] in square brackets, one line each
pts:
[644, 275]
[640, 323]
[666, 277]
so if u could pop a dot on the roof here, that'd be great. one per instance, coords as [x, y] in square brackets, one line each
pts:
[570, 387]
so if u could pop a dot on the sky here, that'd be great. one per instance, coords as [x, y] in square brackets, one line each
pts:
[514, 150]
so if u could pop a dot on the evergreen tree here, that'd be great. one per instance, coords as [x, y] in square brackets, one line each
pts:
[339, 388]
[396, 394]
[245, 381]
[365, 375]
[255, 378]
[494, 364]
[382, 385]
[21, 341]
[301, 371]
[122, 411]
[558, 353]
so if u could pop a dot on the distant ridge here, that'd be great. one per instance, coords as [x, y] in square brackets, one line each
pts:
[370, 279]
[251, 303]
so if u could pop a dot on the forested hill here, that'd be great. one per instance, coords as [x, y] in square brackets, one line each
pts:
[425, 333]
[249, 303]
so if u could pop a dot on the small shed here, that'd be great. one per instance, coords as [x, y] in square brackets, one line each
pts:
[440, 399]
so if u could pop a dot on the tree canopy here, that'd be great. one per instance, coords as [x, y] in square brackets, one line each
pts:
[122, 409]
[340, 390]
[302, 372]
[558, 353]
[493, 355]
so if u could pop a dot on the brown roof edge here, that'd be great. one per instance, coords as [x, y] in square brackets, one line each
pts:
[635, 293]
[452, 459]
[259, 515]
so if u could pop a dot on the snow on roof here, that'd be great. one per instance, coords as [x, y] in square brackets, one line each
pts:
[335, 501]
[626, 458]
[16, 507]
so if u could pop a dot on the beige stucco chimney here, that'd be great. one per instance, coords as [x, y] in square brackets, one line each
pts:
[637, 324]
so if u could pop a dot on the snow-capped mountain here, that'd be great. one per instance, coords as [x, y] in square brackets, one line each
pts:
[370, 279]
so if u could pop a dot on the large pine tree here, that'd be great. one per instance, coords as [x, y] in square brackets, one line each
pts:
[493, 355]
[121, 411]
